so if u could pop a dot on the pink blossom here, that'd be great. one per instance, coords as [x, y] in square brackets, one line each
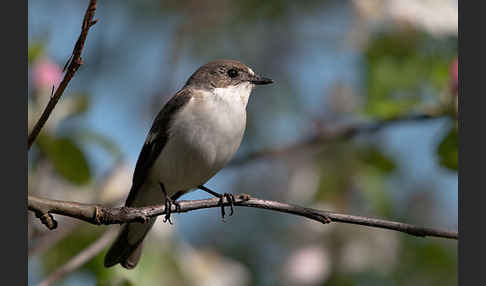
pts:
[454, 72]
[46, 74]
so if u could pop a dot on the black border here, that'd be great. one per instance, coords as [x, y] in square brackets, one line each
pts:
[14, 135]
[471, 144]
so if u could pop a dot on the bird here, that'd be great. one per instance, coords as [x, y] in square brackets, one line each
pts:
[195, 134]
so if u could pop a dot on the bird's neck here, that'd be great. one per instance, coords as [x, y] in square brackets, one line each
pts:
[237, 94]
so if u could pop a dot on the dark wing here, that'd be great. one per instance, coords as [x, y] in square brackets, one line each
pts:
[156, 140]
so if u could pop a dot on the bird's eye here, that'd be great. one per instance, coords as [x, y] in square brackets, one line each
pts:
[232, 73]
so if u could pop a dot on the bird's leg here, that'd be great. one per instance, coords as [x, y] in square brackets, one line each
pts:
[168, 204]
[229, 197]
[177, 195]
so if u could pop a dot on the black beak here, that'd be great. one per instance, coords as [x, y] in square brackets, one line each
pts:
[260, 80]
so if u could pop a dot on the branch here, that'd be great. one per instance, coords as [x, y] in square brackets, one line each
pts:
[326, 135]
[96, 214]
[72, 66]
[82, 257]
[47, 240]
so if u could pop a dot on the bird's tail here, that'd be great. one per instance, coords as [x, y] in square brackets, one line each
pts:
[127, 247]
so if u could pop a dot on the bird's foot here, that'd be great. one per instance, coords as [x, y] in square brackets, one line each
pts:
[168, 209]
[168, 205]
[230, 198]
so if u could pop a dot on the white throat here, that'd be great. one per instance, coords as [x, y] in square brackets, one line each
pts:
[236, 93]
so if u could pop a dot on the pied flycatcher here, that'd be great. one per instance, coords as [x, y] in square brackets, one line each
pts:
[195, 134]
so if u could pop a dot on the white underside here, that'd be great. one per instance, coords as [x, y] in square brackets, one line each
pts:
[204, 137]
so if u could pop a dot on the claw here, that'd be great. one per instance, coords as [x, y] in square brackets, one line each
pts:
[168, 210]
[168, 205]
[229, 197]
[231, 200]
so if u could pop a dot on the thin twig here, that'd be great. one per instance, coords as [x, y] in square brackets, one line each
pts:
[327, 135]
[81, 258]
[72, 65]
[95, 214]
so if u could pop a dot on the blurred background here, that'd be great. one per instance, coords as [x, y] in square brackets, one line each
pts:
[336, 64]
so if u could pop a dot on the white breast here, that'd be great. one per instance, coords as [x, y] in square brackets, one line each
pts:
[204, 137]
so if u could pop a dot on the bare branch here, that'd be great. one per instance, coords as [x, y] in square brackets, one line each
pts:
[46, 241]
[72, 65]
[326, 135]
[96, 214]
[81, 258]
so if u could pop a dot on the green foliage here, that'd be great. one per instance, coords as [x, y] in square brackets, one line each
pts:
[157, 267]
[401, 66]
[373, 188]
[337, 166]
[448, 150]
[420, 262]
[341, 279]
[82, 102]
[67, 158]
[349, 166]
[372, 156]
[115, 281]
[35, 50]
[426, 262]
[70, 246]
[102, 273]
[375, 166]
[99, 139]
